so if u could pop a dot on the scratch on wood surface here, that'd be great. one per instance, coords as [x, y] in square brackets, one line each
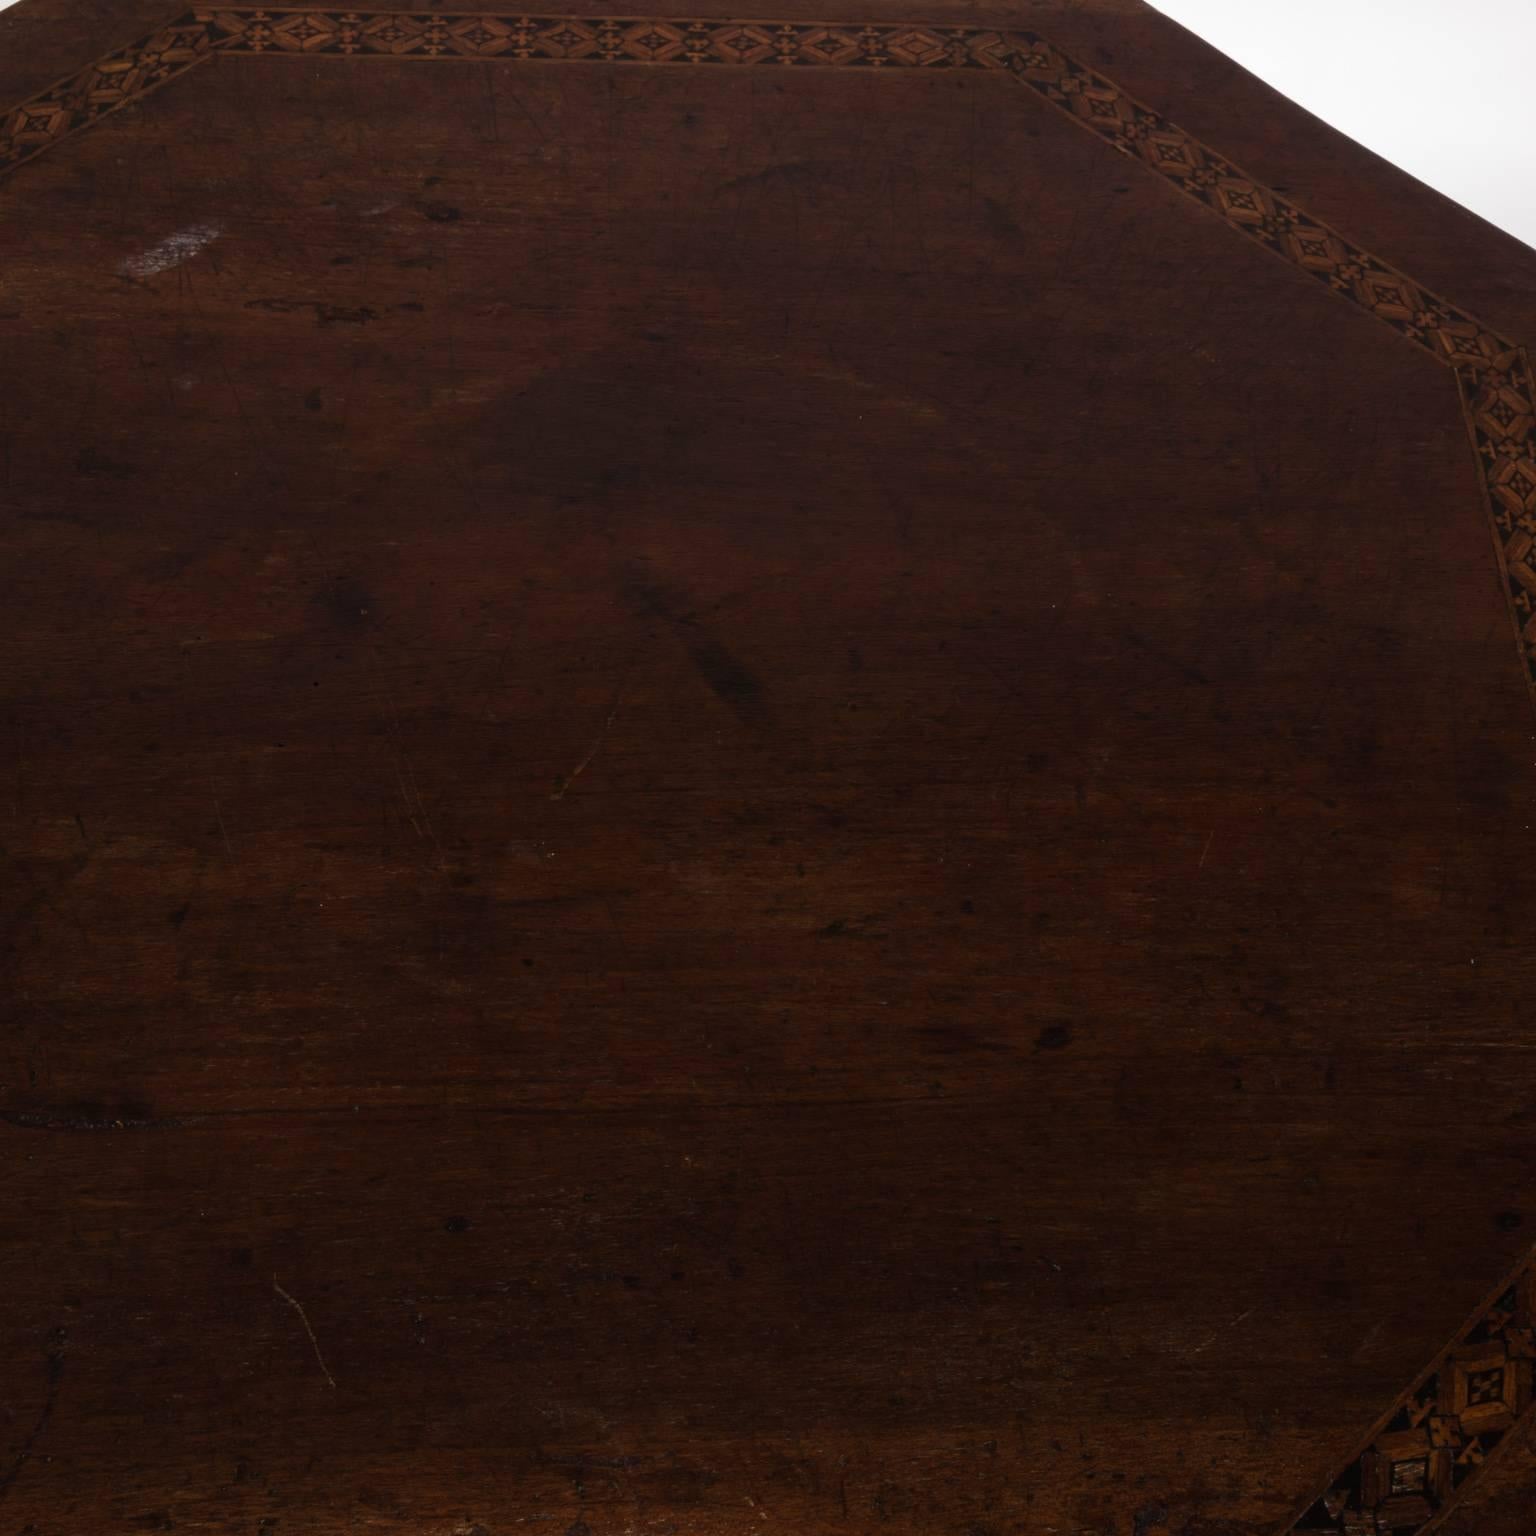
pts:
[294, 1302]
[55, 1359]
[1241, 1318]
[229, 847]
[581, 767]
[409, 791]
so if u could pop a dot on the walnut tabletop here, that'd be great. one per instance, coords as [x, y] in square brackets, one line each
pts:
[759, 776]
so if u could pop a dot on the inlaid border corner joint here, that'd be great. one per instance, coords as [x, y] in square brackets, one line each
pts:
[1422, 1454]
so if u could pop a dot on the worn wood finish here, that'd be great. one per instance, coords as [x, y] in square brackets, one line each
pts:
[738, 798]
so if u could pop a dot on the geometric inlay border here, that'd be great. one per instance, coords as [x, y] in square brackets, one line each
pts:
[1436, 1437]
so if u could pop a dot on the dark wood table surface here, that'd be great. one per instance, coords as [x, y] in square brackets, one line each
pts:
[744, 799]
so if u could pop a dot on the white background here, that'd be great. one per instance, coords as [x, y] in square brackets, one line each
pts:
[1452, 83]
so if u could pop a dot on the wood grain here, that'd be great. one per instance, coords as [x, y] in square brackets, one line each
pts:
[734, 801]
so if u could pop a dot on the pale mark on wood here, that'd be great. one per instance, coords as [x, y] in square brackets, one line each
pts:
[170, 252]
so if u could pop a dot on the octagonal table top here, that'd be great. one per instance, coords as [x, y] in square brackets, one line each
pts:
[762, 774]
